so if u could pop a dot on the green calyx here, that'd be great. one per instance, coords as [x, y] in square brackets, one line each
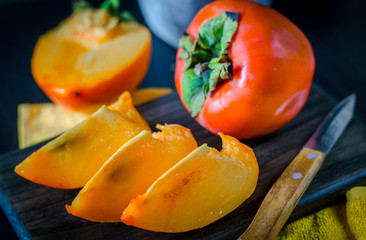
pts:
[112, 6]
[207, 61]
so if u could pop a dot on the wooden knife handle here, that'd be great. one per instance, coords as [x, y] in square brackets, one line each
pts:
[282, 198]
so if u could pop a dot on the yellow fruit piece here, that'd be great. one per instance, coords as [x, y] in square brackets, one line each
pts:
[203, 187]
[144, 95]
[131, 171]
[41, 121]
[72, 159]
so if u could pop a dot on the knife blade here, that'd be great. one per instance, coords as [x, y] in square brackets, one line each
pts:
[282, 198]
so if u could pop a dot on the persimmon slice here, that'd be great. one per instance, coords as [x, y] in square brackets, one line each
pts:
[70, 160]
[131, 171]
[38, 122]
[201, 188]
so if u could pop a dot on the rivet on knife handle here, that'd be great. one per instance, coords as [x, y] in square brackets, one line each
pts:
[284, 195]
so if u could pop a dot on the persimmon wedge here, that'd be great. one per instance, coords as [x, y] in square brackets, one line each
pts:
[70, 160]
[38, 122]
[131, 171]
[90, 59]
[201, 188]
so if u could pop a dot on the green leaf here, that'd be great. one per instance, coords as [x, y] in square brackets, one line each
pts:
[219, 74]
[207, 61]
[199, 56]
[126, 16]
[228, 30]
[192, 92]
[211, 32]
[218, 32]
[111, 6]
[214, 76]
[186, 45]
[206, 83]
[80, 5]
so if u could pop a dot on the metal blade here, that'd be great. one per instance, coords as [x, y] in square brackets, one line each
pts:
[329, 130]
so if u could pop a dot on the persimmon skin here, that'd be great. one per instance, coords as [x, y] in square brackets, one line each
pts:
[273, 66]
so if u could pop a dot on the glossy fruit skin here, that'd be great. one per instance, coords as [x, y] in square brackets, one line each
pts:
[273, 66]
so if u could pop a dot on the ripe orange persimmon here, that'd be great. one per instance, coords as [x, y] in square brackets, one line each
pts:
[90, 59]
[243, 69]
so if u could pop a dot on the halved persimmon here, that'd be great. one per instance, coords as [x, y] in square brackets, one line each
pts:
[131, 171]
[201, 188]
[90, 59]
[70, 160]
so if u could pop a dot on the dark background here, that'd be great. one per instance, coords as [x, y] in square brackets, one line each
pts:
[336, 30]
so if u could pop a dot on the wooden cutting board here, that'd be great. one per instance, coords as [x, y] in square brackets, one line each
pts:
[38, 212]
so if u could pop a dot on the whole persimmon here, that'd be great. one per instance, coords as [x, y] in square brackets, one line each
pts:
[91, 57]
[243, 68]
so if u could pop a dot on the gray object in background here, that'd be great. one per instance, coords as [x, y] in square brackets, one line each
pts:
[168, 19]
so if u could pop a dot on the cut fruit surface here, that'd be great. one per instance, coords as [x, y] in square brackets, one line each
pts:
[144, 95]
[38, 122]
[201, 188]
[131, 171]
[70, 160]
[90, 59]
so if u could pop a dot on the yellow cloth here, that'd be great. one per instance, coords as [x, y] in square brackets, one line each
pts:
[343, 221]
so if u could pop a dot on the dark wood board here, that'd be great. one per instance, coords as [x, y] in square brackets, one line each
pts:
[38, 212]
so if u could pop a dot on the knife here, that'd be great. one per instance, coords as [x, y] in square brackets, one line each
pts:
[282, 198]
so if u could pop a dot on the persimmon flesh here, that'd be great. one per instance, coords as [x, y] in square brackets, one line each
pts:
[70, 160]
[203, 187]
[90, 59]
[131, 171]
